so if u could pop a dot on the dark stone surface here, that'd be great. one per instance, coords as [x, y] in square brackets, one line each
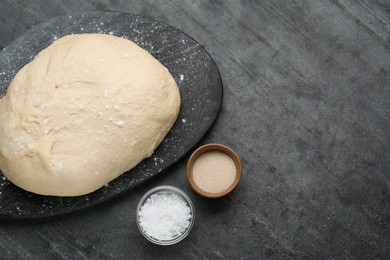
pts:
[306, 106]
[194, 70]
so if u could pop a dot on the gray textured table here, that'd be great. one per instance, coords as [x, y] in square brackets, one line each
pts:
[306, 106]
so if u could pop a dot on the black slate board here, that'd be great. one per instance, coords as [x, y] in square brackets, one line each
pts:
[192, 67]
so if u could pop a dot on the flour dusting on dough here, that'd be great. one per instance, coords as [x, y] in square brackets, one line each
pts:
[72, 123]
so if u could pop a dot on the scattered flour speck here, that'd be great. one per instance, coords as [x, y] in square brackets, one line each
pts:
[58, 165]
[119, 123]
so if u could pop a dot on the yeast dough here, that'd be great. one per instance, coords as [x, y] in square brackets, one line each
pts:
[88, 108]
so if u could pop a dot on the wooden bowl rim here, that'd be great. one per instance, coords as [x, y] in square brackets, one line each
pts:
[214, 147]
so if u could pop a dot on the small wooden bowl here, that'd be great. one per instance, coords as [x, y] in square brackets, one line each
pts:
[207, 148]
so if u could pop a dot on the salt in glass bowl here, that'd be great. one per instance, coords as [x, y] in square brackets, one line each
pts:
[181, 195]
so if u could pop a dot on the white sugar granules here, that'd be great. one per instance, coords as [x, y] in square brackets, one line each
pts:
[214, 172]
[164, 216]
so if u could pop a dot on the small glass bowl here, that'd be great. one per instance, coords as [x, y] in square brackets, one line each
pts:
[183, 196]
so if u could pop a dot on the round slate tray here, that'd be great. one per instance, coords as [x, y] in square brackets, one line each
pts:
[192, 67]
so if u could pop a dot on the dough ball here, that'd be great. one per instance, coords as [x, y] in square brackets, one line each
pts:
[88, 108]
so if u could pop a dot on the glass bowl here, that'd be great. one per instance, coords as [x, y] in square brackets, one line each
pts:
[168, 190]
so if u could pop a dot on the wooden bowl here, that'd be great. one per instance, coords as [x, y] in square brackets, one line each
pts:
[207, 148]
